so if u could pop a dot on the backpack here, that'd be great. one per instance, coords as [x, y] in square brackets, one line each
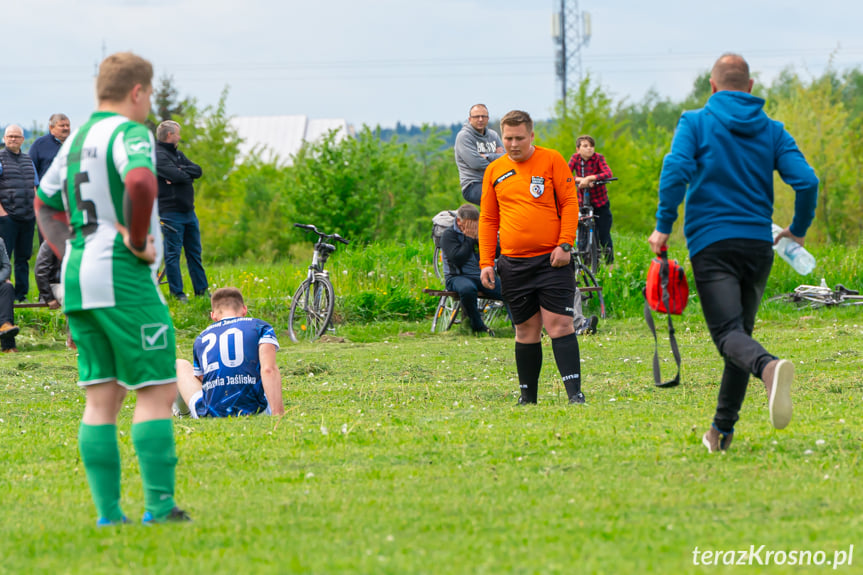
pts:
[441, 223]
[667, 291]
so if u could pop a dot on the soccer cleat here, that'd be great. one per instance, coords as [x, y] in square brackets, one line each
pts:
[778, 375]
[103, 522]
[578, 398]
[717, 440]
[176, 515]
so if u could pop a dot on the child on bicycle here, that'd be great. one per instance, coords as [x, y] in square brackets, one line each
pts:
[587, 167]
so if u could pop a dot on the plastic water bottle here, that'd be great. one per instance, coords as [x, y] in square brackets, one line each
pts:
[793, 253]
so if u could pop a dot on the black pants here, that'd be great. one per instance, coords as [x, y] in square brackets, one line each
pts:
[18, 236]
[467, 288]
[7, 311]
[603, 231]
[730, 276]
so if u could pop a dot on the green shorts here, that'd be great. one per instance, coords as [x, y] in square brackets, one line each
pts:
[133, 345]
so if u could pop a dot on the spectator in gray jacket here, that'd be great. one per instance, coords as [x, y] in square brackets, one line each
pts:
[476, 146]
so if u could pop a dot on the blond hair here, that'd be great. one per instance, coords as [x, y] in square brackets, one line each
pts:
[119, 73]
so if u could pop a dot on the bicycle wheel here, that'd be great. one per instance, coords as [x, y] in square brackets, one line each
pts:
[588, 248]
[493, 313]
[311, 309]
[445, 314]
[593, 302]
[437, 262]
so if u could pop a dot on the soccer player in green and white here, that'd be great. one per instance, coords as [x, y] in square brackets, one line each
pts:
[103, 184]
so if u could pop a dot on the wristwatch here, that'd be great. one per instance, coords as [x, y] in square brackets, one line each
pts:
[566, 247]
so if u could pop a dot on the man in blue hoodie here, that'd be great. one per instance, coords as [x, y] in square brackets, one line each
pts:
[722, 160]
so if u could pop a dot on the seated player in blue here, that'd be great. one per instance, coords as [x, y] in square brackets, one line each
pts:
[234, 371]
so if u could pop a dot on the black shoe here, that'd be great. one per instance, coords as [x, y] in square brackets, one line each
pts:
[176, 515]
[203, 293]
[181, 297]
[591, 327]
[577, 398]
[523, 401]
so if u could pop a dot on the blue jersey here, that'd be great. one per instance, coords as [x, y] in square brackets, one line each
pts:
[226, 357]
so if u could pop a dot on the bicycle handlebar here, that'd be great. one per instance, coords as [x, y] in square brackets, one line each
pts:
[599, 182]
[311, 228]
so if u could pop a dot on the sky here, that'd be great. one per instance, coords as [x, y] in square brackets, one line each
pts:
[377, 62]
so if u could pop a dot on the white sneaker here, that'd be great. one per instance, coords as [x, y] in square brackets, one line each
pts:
[778, 376]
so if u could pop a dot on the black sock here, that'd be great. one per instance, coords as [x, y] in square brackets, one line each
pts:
[568, 360]
[528, 362]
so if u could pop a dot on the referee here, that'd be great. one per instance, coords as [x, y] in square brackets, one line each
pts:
[529, 199]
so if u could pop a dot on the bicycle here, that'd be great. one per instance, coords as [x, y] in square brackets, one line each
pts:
[447, 312]
[819, 296]
[313, 302]
[589, 290]
[586, 242]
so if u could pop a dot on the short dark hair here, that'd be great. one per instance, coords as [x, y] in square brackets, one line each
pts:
[467, 212]
[517, 118]
[227, 298]
[584, 138]
[731, 72]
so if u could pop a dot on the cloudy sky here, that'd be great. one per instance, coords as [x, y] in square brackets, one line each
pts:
[414, 61]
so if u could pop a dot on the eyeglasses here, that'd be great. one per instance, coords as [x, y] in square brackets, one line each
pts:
[14, 137]
[479, 117]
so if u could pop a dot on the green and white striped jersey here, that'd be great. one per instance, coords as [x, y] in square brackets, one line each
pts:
[86, 180]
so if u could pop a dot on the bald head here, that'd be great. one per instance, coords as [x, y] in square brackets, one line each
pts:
[731, 72]
[13, 137]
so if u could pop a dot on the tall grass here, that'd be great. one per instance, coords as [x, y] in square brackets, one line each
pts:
[383, 282]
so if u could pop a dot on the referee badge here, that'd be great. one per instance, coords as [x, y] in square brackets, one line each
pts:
[537, 186]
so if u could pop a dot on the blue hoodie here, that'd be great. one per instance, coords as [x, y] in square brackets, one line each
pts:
[726, 153]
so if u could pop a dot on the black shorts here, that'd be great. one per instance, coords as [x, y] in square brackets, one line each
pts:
[530, 283]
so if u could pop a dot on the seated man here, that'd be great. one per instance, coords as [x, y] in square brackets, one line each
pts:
[583, 325]
[8, 329]
[461, 265]
[47, 273]
[235, 370]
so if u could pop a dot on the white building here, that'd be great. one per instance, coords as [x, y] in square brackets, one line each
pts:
[279, 138]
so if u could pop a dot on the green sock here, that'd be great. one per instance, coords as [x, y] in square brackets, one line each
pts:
[101, 456]
[154, 443]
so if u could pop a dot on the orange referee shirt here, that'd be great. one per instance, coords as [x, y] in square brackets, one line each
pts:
[518, 199]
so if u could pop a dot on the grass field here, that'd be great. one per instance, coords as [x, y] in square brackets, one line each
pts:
[403, 452]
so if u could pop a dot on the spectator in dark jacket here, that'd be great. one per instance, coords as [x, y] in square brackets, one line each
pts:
[8, 329]
[18, 181]
[461, 265]
[180, 228]
[44, 149]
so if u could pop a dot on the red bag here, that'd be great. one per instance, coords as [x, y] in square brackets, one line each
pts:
[667, 291]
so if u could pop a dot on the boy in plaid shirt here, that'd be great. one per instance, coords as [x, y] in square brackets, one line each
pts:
[587, 166]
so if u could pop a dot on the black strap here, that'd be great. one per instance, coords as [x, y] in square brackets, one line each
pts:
[648, 317]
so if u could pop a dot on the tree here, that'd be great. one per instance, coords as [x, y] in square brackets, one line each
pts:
[166, 103]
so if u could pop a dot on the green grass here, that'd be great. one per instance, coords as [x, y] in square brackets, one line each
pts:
[404, 452]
